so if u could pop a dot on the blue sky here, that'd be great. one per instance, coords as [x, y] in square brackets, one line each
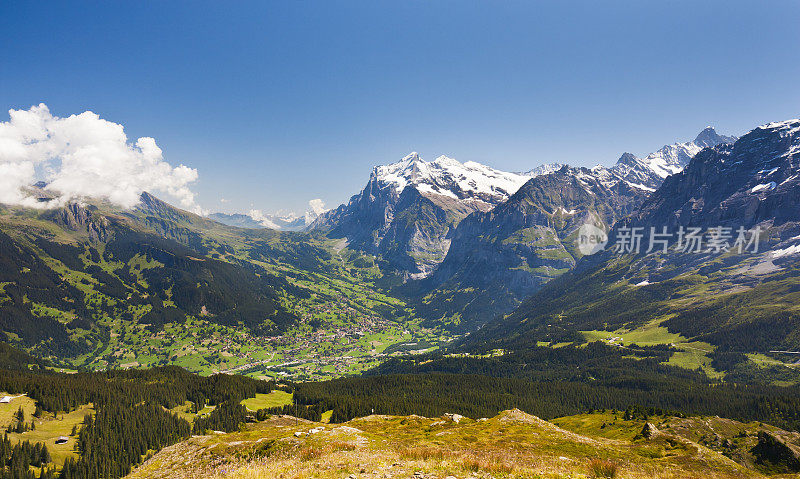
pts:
[276, 103]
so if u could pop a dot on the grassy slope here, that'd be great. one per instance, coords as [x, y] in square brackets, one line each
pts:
[48, 427]
[690, 355]
[262, 401]
[733, 439]
[342, 300]
[728, 303]
[510, 445]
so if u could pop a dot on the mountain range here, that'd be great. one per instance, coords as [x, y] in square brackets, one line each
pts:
[408, 210]
[463, 248]
[254, 220]
[437, 195]
[718, 295]
[474, 241]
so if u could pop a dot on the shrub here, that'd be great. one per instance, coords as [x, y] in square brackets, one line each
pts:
[603, 468]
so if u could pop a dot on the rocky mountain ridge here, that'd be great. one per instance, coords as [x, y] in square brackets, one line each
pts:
[709, 290]
[498, 257]
[408, 209]
[412, 231]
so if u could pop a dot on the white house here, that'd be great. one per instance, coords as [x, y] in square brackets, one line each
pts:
[8, 399]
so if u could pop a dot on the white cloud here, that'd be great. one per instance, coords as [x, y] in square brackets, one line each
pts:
[84, 156]
[265, 221]
[12, 175]
[317, 206]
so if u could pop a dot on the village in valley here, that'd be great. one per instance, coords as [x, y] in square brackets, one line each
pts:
[333, 339]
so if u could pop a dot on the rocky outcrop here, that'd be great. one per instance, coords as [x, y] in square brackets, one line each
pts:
[76, 217]
[649, 431]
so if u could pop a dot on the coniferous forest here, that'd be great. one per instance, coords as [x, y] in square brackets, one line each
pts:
[133, 420]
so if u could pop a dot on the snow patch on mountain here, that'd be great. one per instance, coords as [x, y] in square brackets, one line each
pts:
[764, 186]
[544, 169]
[789, 127]
[791, 250]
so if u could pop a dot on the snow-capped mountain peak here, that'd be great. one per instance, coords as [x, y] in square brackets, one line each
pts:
[544, 169]
[671, 159]
[709, 137]
[444, 176]
[649, 172]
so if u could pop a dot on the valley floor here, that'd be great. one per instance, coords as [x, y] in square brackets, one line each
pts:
[302, 353]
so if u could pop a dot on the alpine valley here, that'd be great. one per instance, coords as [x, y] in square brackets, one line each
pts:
[425, 314]
[92, 285]
[472, 242]
[426, 251]
[399, 240]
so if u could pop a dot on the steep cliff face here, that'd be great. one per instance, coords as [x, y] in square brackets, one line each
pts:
[534, 232]
[418, 237]
[499, 257]
[407, 211]
[76, 217]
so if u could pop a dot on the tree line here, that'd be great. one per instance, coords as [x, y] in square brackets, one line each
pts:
[549, 382]
[133, 419]
[132, 415]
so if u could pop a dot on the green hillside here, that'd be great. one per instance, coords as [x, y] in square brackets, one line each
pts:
[97, 287]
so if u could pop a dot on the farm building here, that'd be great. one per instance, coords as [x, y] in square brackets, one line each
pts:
[8, 399]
